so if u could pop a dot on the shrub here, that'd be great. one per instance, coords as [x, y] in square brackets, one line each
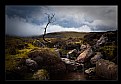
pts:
[12, 51]
[109, 52]
[47, 58]
[41, 74]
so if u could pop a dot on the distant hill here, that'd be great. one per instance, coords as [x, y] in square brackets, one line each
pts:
[65, 34]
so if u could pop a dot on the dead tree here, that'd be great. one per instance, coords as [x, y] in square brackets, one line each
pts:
[50, 20]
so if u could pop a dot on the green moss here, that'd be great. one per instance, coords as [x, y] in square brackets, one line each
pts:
[64, 52]
[11, 60]
[109, 51]
[41, 74]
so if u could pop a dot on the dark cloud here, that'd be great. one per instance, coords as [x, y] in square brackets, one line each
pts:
[103, 28]
[32, 14]
[22, 11]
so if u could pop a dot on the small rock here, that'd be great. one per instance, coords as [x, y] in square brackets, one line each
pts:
[31, 64]
[96, 58]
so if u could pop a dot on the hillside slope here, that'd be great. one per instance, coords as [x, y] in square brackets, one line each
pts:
[65, 34]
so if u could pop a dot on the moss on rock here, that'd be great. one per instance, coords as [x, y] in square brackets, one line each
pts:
[48, 59]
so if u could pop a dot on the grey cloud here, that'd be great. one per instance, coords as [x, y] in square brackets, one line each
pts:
[29, 20]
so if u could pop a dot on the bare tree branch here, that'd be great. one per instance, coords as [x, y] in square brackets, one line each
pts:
[50, 20]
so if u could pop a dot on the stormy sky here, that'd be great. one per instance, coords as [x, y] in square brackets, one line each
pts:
[31, 20]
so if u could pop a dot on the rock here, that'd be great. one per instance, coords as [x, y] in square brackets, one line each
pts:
[58, 52]
[90, 71]
[72, 54]
[84, 55]
[41, 74]
[38, 43]
[39, 60]
[96, 57]
[83, 47]
[106, 69]
[66, 60]
[31, 64]
[71, 65]
[49, 60]
[45, 56]
[101, 41]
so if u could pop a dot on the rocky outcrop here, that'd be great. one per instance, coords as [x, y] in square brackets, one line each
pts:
[96, 57]
[106, 69]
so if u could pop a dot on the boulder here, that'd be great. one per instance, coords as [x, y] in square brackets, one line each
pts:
[39, 60]
[85, 55]
[103, 39]
[45, 56]
[72, 54]
[83, 47]
[106, 69]
[49, 60]
[71, 65]
[96, 57]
